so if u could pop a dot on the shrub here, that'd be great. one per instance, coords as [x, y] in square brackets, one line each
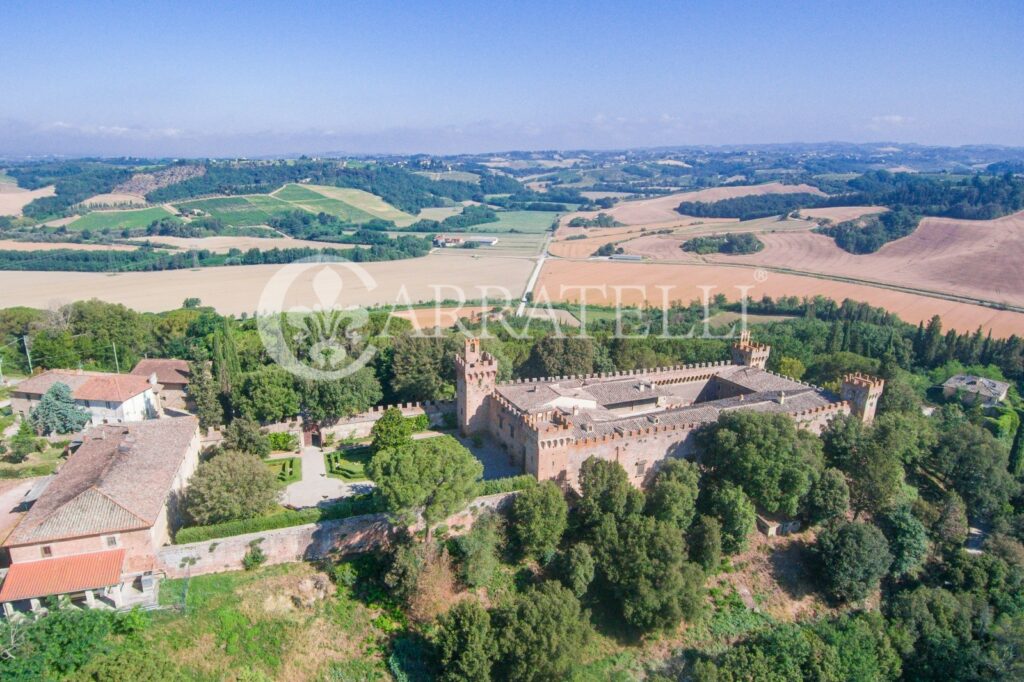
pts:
[283, 441]
[255, 557]
[509, 484]
[343, 509]
[420, 422]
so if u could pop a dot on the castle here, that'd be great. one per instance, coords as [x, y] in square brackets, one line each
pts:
[550, 426]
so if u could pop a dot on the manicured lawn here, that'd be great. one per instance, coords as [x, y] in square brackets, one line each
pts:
[119, 220]
[348, 464]
[288, 469]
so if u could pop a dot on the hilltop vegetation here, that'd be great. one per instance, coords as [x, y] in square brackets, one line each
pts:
[749, 207]
[730, 243]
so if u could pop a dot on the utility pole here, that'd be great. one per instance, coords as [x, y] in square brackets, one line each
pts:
[28, 353]
[117, 365]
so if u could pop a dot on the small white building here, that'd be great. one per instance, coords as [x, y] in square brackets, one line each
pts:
[108, 398]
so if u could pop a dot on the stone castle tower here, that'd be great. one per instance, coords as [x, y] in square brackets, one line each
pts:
[746, 352]
[863, 392]
[476, 374]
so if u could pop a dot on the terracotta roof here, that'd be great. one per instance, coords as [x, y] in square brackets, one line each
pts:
[87, 385]
[757, 380]
[117, 480]
[591, 423]
[168, 371]
[61, 575]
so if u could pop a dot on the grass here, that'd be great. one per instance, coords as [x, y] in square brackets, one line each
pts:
[350, 205]
[240, 211]
[348, 464]
[370, 204]
[247, 625]
[119, 220]
[37, 464]
[7, 179]
[522, 221]
[511, 244]
[314, 202]
[287, 469]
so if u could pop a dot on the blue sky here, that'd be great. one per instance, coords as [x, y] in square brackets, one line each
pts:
[273, 78]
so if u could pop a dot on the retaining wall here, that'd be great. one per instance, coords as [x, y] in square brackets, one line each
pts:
[304, 543]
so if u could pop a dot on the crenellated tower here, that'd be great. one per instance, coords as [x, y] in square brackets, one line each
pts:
[476, 374]
[863, 392]
[746, 352]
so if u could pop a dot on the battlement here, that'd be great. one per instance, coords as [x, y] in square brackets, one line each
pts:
[749, 353]
[862, 391]
[623, 374]
[864, 381]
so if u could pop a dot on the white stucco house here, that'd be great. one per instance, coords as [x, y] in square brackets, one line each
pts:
[108, 398]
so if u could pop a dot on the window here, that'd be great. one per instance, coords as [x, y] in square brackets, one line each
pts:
[111, 541]
[641, 467]
[47, 551]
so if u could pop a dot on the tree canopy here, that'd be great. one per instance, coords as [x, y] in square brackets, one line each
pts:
[432, 478]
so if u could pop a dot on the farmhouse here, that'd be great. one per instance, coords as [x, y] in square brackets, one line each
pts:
[976, 390]
[444, 240]
[172, 375]
[550, 426]
[93, 533]
[108, 398]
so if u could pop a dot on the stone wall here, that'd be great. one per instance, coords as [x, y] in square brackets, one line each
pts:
[359, 426]
[303, 543]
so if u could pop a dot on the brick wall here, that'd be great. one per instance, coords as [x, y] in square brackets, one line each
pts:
[303, 543]
[359, 426]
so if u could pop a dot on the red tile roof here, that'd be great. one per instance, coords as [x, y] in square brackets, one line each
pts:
[61, 575]
[87, 385]
[168, 371]
[117, 480]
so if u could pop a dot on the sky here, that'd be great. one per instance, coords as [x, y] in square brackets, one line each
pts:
[264, 78]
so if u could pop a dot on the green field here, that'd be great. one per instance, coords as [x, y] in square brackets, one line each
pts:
[523, 221]
[119, 220]
[314, 202]
[240, 211]
[364, 201]
[510, 244]
[7, 179]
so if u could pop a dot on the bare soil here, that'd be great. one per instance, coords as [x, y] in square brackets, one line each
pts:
[637, 283]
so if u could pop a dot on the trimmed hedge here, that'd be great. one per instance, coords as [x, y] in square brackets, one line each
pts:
[343, 509]
[507, 485]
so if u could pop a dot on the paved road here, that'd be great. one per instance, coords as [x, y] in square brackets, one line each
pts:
[534, 276]
[316, 487]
